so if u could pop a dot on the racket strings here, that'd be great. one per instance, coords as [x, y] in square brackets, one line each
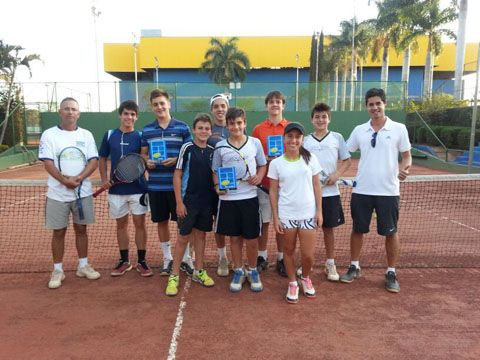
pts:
[130, 168]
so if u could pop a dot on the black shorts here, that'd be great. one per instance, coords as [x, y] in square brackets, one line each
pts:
[386, 209]
[239, 218]
[332, 211]
[163, 206]
[200, 219]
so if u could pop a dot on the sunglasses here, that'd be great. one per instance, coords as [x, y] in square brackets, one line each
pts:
[373, 142]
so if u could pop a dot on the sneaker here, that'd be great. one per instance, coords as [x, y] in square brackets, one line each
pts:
[391, 282]
[237, 280]
[172, 285]
[307, 287]
[121, 268]
[89, 272]
[254, 279]
[186, 268]
[331, 271]
[262, 264]
[292, 293]
[56, 279]
[222, 269]
[352, 274]
[167, 268]
[281, 268]
[203, 278]
[144, 269]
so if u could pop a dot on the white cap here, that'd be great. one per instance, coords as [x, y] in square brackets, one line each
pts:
[219, 96]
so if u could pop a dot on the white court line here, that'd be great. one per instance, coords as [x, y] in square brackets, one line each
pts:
[21, 202]
[446, 218]
[179, 322]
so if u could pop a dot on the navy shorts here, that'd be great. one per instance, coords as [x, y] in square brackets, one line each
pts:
[332, 211]
[386, 209]
[239, 218]
[163, 206]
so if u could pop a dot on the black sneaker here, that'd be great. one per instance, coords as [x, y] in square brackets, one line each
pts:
[281, 268]
[352, 274]
[262, 264]
[391, 282]
[166, 270]
[186, 268]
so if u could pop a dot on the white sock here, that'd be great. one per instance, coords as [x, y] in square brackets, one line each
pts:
[82, 262]
[279, 256]
[167, 254]
[356, 263]
[330, 262]
[240, 269]
[390, 269]
[186, 255]
[196, 272]
[293, 283]
[222, 252]
[58, 266]
[263, 253]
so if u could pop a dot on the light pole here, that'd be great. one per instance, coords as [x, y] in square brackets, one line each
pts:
[297, 58]
[135, 45]
[156, 71]
[474, 115]
[353, 67]
[95, 15]
[316, 66]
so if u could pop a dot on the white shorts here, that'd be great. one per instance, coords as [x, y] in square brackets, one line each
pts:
[265, 207]
[121, 205]
[308, 224]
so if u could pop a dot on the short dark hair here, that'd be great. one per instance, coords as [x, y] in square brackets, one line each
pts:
[202, 117]
[376, 92]
[274, 94]
[68, 99]
[159, 92]
[322, 107]
[129, 105]
[234, 112]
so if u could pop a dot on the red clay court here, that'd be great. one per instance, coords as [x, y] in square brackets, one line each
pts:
[435, 316]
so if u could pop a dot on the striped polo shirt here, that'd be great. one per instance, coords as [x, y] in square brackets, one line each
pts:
[175, 135]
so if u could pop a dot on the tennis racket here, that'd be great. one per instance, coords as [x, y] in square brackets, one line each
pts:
[131, 167]
[231, 157]
[71, 163]
[345, 182]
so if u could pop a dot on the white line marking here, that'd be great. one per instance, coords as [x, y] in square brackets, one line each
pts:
[21, 202]
[179, 322]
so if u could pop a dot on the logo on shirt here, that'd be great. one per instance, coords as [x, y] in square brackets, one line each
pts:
[80, 144]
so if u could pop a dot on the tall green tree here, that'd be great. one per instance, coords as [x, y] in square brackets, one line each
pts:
[10, 59]
[224, 62]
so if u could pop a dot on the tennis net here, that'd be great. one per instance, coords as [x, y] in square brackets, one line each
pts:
[439, 226]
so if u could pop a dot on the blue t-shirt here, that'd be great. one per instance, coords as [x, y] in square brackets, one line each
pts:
[175, 135]
[218, 134]
[197, 182]
[117, 145]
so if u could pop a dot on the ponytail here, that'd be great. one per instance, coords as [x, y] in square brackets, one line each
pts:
[305, 154]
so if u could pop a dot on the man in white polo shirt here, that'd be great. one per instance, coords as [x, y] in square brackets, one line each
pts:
[380, 140]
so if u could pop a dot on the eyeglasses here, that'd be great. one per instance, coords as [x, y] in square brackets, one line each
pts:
[374, 139]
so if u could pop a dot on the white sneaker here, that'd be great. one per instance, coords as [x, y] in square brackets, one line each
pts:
[292, 293]
[89, 272]
[56, 279]
[331, 271]
[307, 287]
[222, 269]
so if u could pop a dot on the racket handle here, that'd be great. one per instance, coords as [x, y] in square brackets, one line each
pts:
[98, 192]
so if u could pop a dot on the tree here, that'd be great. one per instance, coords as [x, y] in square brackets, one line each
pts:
[430, 22]
[10, 60]
[224, 62]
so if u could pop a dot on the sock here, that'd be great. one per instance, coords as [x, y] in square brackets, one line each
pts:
[356, 263]
[239, 269]
[293, 283]
[330, 262]
[222, 252]
[82, 262]
[279, 256]
[124, 255]
[390, 269]
[196, 272]
[186, 255]
[167, 254]
[58, 266]
[141, 255]
[263, 253]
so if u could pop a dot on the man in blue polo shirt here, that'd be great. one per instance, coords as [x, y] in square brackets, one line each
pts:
[174, 133]
[125, 198]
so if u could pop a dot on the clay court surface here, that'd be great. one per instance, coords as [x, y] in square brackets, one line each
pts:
[435, 316]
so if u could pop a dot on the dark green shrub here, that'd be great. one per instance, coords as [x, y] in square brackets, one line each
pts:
[3, 147]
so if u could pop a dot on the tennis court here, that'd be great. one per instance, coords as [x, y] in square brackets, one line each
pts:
[436, 315]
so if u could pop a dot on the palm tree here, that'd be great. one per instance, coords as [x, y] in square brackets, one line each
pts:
[10, 60]
[430, 23]
[224, 62]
